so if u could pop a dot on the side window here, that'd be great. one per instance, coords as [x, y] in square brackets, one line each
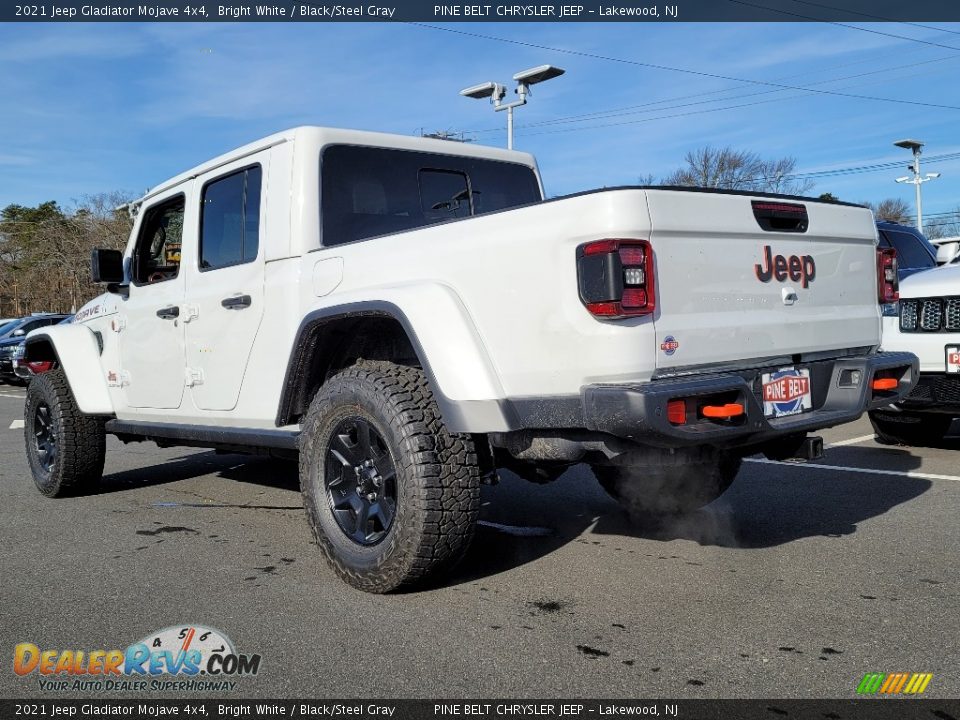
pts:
[157, 254]
[444, 194]
[230, 219]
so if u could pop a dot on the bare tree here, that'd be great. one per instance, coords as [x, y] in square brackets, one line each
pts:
[942, 225]
[45, 252]
[891, 209]
[731, 169]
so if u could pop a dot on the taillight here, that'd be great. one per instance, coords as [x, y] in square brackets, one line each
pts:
[616, 278]
[38, 367]
[888, 285]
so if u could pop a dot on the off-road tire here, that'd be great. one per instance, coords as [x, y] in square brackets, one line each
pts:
[909, 428]
[667, 485]
[79, 439]
[437, 477]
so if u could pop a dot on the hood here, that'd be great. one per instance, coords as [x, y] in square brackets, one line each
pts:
[936, 282]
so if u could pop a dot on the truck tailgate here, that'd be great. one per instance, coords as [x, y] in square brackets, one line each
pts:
[738, 279]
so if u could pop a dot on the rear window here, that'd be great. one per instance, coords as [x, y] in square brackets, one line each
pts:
[368, 191]
[912, 251]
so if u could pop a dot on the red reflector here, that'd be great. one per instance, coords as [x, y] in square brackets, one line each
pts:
[39, 366]
[634, 297]
[677, 412]
[885, 384]
[632, 256]
[600, 247]
[604, 309]
[722, 411]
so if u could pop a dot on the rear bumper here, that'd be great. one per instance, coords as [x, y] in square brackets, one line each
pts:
[639, 412]
[934, 392]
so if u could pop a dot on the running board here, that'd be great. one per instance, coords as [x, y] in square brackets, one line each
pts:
[204, 435]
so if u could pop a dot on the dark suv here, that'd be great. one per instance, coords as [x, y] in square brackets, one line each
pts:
[914, 251]
[12, 334]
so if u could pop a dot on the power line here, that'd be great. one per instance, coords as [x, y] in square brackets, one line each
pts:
[687, 71]
[844, 25]
[633, 110]
[878, 17]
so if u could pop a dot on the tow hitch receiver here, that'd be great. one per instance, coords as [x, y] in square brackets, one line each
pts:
[787, 449]
[811, 449]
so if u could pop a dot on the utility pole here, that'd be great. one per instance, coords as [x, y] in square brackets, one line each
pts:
[916, 180]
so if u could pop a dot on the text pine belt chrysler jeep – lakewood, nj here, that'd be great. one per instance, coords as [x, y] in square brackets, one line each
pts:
[406, 315]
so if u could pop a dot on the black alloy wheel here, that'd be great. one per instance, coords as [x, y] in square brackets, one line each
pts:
[45, 436]
[361, 481]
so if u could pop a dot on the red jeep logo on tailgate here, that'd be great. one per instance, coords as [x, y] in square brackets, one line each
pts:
[801, 269]
[786, 389]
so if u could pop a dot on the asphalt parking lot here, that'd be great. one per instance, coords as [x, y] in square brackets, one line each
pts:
[797, 582]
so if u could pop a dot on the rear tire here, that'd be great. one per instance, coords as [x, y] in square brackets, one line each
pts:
[667, 485]
[65, 448]
[391, 495]
[910, 429]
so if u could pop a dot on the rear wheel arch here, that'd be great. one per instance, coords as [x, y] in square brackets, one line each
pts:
[332, 339]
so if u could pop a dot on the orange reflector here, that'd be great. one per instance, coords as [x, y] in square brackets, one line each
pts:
[677, 412]
[723, 411]
[885, 384]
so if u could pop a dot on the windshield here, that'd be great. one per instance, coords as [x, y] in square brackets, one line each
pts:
[8, 328]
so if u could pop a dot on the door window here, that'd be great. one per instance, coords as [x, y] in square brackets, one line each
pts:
[157, 254]
[230, 220]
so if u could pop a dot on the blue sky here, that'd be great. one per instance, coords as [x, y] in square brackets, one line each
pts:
[99, 107]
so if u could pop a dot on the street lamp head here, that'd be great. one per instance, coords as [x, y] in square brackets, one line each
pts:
[933, 175]
[908, 144]
[485, 90]
[903, 179]
[538, 74]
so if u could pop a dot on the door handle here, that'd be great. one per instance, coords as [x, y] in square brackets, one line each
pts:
[169, 313]
[237, 302]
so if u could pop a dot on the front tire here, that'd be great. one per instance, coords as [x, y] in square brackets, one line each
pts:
[909, 428]
[65, 448]
[668, 485]
[391, 495]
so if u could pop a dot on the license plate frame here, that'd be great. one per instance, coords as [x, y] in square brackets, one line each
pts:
[786, 391]
[951, 352]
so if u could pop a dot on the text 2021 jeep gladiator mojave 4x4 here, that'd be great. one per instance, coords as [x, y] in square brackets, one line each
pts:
[409, 314]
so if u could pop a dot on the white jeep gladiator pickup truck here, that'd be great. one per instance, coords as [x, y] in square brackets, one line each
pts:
[926, 321]
[407, 315]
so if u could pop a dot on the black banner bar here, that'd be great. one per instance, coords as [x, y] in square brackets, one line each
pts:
[858, 11]
[868, 709]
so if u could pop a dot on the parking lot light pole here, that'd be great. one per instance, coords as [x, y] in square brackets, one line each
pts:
[496, 92]
[916, 179]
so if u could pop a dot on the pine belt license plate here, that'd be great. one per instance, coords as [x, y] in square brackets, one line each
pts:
[786, 392]
[953, 358]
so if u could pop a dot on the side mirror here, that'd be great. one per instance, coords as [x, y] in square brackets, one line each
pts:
[106, 266]
[947, 252]
[19, 332]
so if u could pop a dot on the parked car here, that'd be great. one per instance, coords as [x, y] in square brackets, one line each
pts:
[12, 335]
[914, 252]
[927, 323]
[20, 368]
[408, 314]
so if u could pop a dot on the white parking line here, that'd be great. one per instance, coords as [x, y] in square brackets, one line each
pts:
[897, 473]
[9, 395]
[16, 424]
[851, 441]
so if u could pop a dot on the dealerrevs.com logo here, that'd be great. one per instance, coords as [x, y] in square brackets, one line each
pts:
[177, 658]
